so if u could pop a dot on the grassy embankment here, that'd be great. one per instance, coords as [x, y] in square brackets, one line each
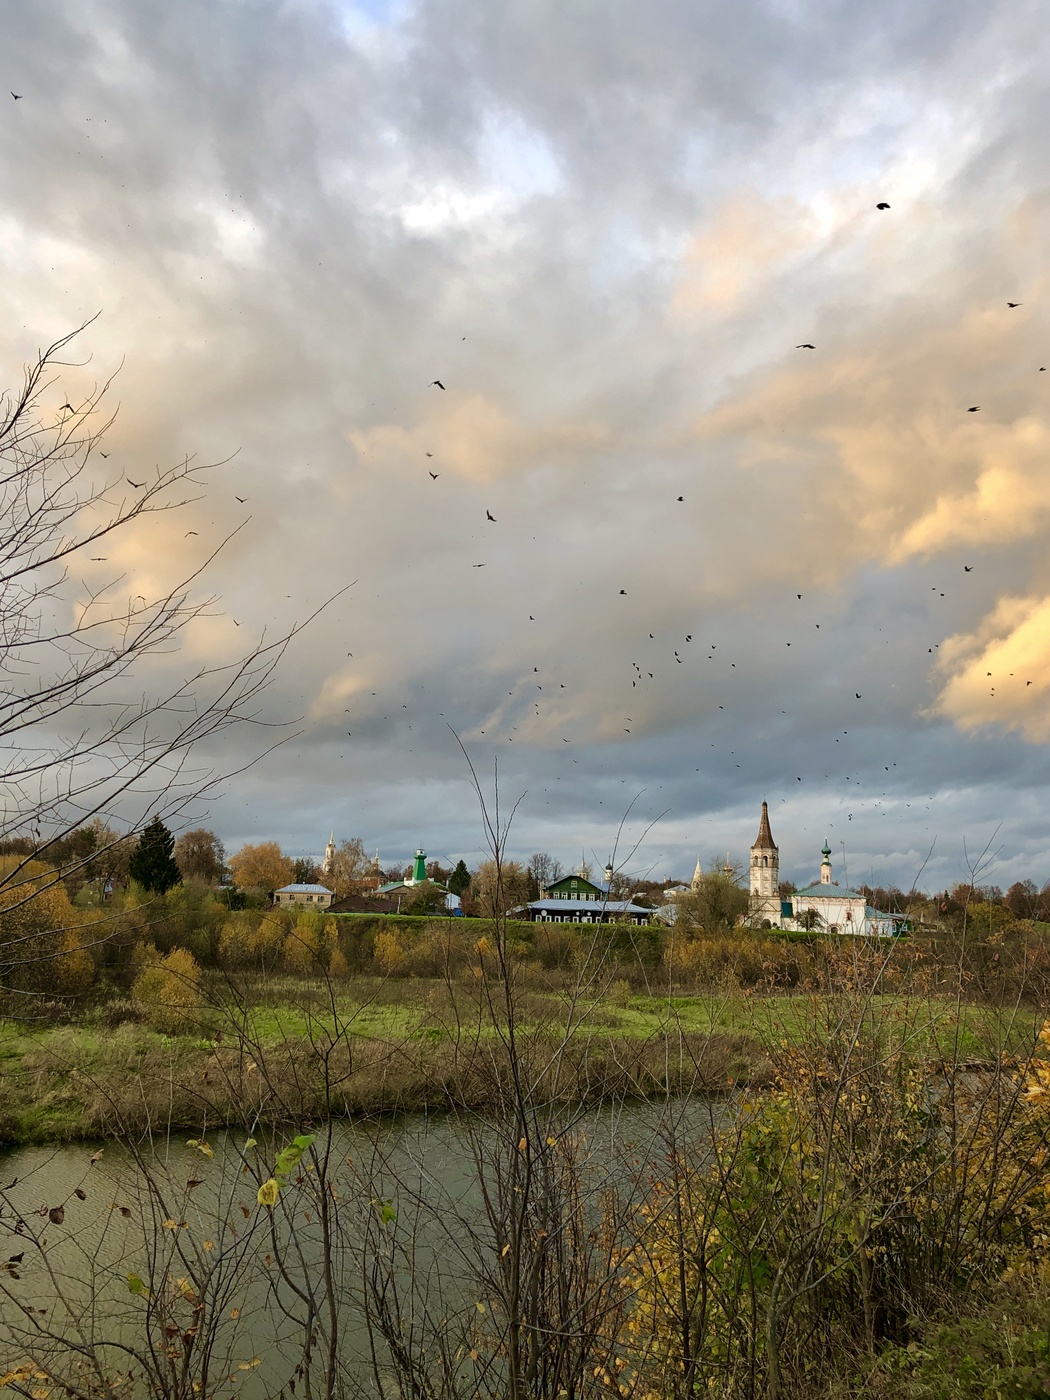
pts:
[371, 1044]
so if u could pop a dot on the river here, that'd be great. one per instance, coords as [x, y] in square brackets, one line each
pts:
[128, 1257]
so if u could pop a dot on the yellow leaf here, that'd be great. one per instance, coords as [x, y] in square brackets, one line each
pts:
[480, 1307]
[505, 1251]
[235, 1313]
[552, 1142]
[523, 1144]
[171, 1224]
[209, 1245]
[267, 1193]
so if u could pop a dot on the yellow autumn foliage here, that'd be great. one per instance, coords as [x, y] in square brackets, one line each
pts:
[169, 990]
[860, 1192]
[42, 935]
[389, 954]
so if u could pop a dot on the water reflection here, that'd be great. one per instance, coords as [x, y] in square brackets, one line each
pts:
[128, 1259]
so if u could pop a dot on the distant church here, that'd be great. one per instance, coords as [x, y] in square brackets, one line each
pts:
[825, 905]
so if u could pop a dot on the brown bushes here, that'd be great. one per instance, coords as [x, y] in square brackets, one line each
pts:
[136, 1083]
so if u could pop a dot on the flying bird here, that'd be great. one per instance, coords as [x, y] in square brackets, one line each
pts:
[434, 475]
[967, 568]
[805, 346]
[188, 534]
[240, 499]
[477, 566]
[976, 408]
[437, 382]
[490, 516]
[623, 592]
[857, 694]
[1013, 303]
[103, 454]
[138, 485]
[430, 454]
[16, 95]
[681, 498]
[99, 558]
[882, 204]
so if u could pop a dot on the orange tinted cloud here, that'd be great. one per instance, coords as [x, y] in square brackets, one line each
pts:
[999, 674]
[477, 438]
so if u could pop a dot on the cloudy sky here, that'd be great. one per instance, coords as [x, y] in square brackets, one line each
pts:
[604, 229]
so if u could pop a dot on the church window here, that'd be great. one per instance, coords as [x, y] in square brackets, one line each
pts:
[765, 860]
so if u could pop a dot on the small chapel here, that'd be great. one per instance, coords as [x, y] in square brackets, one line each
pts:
[824, 905]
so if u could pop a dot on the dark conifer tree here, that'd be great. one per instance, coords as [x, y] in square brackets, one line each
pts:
[152, 864]
[459, 879]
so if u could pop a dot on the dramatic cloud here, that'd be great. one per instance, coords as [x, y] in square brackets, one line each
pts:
[604, 232]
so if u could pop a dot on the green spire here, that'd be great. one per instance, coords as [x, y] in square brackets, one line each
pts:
[419, 867]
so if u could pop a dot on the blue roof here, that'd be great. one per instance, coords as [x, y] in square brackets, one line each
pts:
[304, 889]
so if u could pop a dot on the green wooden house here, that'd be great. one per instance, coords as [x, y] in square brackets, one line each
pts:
[574, 887]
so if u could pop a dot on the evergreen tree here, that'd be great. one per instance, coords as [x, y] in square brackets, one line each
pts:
[153, 863]
[459, 879]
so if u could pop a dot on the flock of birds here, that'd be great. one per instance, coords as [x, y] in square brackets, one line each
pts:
[640, 673]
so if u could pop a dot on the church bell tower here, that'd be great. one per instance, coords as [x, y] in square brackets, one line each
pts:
[765, 874]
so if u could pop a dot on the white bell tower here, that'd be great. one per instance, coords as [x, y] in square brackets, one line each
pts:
[765, 874]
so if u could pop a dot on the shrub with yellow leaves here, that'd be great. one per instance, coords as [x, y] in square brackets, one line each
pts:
[41, 934]
[169, 991]
[856, 1196]
[389, 954]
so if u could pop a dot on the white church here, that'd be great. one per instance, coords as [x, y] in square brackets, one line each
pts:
[825, 905]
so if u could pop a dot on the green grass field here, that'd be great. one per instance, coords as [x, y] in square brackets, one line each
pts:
[77, 1080]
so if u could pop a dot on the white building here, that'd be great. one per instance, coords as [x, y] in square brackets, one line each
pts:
[824, 905]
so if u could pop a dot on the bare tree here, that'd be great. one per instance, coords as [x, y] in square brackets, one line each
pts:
[200, 855]
[544, 869]
[79, 737]
[348, 867]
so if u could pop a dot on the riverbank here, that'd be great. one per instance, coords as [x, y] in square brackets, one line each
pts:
[286, 1051]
